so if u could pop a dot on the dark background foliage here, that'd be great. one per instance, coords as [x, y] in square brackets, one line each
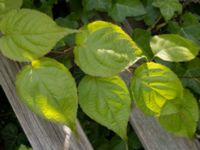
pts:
[150, 21]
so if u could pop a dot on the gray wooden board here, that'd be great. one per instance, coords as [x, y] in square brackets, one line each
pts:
[150, 133]
[42, 134]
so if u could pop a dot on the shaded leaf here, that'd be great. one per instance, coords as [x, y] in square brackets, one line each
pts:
[180, 115]
[107, 101]
[100, 5]
[126, 8]
[191, 32]
[168, 8]
[12, 137]
[7, 5]
[152, 13]
[189, 19]
[23, 147]
[191, 77]
[189, 27]
[142, 38]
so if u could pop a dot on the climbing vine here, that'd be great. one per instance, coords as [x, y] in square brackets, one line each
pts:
[102, 50]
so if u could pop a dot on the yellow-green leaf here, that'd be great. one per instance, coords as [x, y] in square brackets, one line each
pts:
[49, 90]
[29, 34]
[107, 101]
[172, 47]
[104, 49]
[152, 85]
[180, 116]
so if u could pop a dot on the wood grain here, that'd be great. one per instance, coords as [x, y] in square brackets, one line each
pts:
[42, 135]
[150, 133]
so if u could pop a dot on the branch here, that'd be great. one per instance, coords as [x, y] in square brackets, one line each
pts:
[55, 54]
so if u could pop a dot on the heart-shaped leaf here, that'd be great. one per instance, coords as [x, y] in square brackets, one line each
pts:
[180, 116]
[168, 8]
[172, 47]
[107, 101]
[152, 85]
[126, 8]
[29, 34]
[49, 90]
[104, 49]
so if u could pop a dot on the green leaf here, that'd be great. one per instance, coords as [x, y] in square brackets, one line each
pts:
[6, 5]
[191, 32]
[49, 90]
[191, 77]
[107, 101]
[11, 135]
[104, 49]
[29, 34]
[142, 38]
[189, 19]
[189, 27]
[168, 8]
[126, 8]
[47, 7]
[180, 115]
[99, 5]
[152, 13]
[23, 147]
[152, 85]
[28, 4]
[172, 47]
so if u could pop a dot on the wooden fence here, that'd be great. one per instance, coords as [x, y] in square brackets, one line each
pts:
[45, 135]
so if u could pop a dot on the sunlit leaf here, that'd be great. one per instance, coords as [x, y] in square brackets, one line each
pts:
[152, 85]
[29, 34]
[172, 47]
[104, 49]
[49, 90]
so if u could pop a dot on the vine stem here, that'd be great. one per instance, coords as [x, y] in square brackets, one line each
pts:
[65, 51]
[154, 25]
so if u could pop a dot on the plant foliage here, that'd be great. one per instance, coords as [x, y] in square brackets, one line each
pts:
[102, 50]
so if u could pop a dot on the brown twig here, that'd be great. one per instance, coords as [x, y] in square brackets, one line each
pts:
[154, 25]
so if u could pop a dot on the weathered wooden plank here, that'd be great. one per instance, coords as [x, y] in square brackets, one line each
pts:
[150, 133]
[43, 135]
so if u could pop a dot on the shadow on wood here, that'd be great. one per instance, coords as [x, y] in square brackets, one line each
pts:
[150, 133]
[42, 134]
